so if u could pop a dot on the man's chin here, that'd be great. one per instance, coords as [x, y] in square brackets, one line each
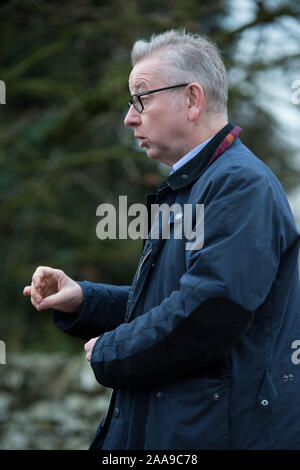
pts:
[152, 154]
[159, 158]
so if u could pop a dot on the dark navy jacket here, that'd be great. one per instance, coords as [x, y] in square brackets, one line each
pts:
[202, 350]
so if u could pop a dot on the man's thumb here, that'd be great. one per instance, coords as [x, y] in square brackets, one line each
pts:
[52, 301]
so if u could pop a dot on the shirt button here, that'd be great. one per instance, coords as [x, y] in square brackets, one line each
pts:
[291, 377]
[216, 396]
[285, 377]
[184, 176]
[264, 402]
[159, 394]
[116, 412]
[152, 265]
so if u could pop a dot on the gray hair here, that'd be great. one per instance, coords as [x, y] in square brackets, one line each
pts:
[189, 58]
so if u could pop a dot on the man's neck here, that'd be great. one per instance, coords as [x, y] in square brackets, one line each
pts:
[204, 130]
[207, 127]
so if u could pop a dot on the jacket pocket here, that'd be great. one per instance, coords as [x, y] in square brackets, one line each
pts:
[190, 414]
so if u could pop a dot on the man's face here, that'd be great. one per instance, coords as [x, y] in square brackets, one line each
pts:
[162, 126]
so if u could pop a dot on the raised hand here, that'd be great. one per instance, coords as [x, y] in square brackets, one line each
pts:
[52, 288]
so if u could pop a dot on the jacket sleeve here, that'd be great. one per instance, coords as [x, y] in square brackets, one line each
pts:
[225, 282]
[103, 310]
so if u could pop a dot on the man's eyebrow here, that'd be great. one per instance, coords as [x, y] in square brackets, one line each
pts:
[140, 87]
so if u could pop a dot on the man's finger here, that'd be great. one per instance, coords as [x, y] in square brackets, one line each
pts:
[27, 290]
[35, 303]
[40, 273]
[52, 300]
[88, 348]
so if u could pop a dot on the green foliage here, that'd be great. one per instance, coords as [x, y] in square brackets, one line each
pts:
[63, 148]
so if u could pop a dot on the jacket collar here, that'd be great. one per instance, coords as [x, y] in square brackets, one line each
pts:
[195, 167]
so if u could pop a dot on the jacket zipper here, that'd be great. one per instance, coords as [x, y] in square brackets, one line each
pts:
[142, 262]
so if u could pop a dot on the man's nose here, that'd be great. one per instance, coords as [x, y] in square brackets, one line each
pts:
[132, 118]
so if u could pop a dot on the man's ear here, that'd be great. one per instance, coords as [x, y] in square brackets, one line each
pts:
[195, 96]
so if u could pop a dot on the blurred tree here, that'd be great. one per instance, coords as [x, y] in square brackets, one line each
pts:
[63, 148]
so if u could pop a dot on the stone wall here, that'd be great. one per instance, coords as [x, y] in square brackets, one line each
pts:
[49, 402]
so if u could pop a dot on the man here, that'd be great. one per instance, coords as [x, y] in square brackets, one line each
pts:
[200, 350]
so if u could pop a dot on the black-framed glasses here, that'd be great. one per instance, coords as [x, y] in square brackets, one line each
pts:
[136, 99]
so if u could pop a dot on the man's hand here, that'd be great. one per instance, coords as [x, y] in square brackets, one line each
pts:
[52, 288]
[88, 347]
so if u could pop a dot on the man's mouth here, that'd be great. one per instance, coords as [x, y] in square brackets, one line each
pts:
[142, 140]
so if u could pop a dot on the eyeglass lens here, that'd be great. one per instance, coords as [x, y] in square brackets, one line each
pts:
[136, 103]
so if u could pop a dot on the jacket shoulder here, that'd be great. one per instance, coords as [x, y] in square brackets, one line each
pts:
[239, 179]
[239, 167]
[240, 160]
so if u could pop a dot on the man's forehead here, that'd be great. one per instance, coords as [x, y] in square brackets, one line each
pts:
[144, 73]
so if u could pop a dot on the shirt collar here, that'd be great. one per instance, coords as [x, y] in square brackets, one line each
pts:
[195, 167]
[189, 156]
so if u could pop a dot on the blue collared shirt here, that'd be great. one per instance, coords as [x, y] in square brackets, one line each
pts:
[189, 156]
